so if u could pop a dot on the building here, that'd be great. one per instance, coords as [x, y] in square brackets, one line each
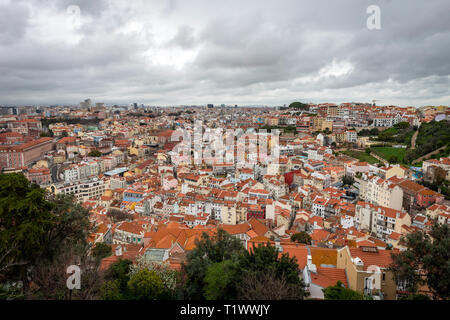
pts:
[40, 176]
[367, 271]
[22, 155]
[82, 191]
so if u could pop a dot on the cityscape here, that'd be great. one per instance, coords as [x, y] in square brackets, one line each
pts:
[284, 196]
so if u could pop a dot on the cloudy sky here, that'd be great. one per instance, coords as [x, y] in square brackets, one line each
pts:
[245, 52]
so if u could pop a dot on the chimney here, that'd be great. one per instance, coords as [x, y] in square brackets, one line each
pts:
[119, 250]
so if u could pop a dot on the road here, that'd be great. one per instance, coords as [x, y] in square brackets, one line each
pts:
[413, 139]
[386, 163]
[429, 154]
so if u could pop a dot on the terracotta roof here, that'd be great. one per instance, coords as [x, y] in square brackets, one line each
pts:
[381, 258]
[325, 277]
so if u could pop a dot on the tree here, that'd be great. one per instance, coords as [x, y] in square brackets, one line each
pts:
[146, 285]
[40, 236]
[111, 290]
[220, 281]
[340, 292]
[368, 150]
[393, 159]
[64, 134]
[425, 262]
[220, 247]
[266, 259]
[25, 219]
[120, 272]
[66, 244]
[301, 237]
[267, 286]
[117, 215]
[348, 180]
[94, 153]
[299, 105]
[170, 278]
[402, 125]
[101, 250]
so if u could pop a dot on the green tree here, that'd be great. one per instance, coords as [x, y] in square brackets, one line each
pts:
[146, 285]
[119, 271]
[348, 180]
[265, 259]
[340, 292]
[299, 105]
[220, 247]
[64, 134]
[425, 261]
[301, 237]
[220, 281]
[25, 219]
[111, 290]
[171, 278]
[101, 250]
[393, 159]
[94, 153]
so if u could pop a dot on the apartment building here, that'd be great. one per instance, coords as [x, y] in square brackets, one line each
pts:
[381, 192]
[82, 191]
[367, 271]
[380, 221]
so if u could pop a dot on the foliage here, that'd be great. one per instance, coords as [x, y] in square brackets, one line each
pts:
[401, 132]
[255, 287]
[416, 297]
[443, 188]
[360, 155]
[40, 237]
[169, 277]
[47, 121]
[146, 285]
[425, 261]
[111, 290]
[301, 237]
[348, 180]
[10, 292]
[299, 105]
[120, 272]
[220, 280]
[117, 215]
[101, 250]
[208, 250]
[265, 259]
[25, 220]
[368, 132]
[94, 153]
[391, 154]
[431, 136]
[340, 292]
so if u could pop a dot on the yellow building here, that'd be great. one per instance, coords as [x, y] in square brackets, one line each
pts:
[367, 271]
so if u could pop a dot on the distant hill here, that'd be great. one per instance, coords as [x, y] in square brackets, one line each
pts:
[432, 136]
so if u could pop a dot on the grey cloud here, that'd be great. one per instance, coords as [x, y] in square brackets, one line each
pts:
[247, 52]
[13, 22]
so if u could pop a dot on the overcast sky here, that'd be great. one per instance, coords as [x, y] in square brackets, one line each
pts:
[172, 52]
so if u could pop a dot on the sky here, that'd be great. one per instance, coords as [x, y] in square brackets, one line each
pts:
[246, 52]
